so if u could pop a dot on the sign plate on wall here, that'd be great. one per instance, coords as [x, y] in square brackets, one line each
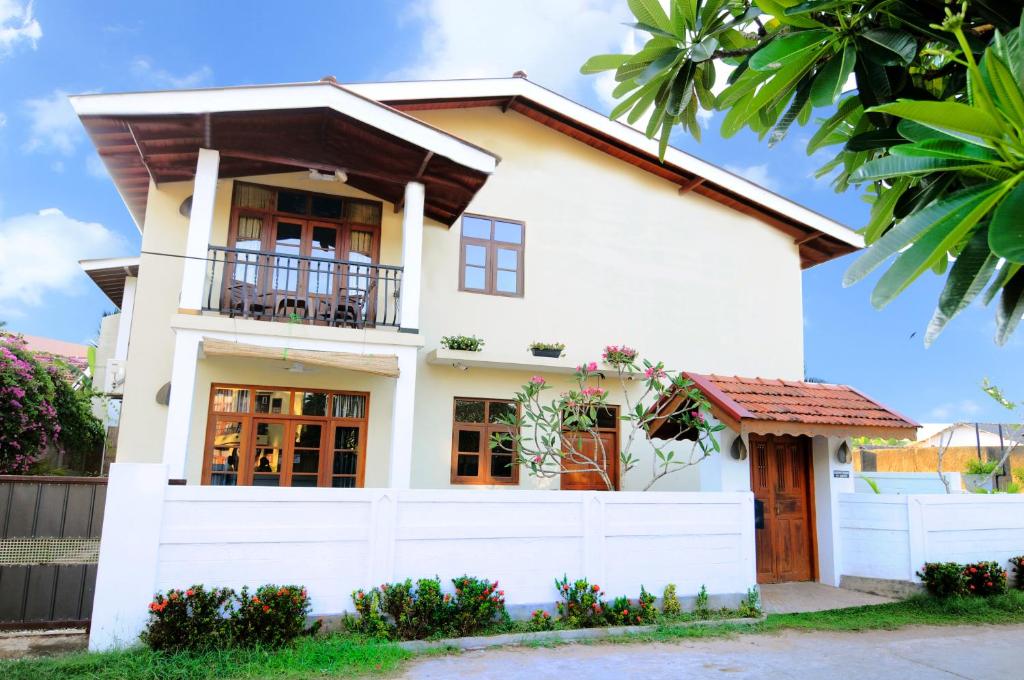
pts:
[841, 474]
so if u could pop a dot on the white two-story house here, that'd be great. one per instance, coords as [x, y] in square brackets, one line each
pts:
[306, 246]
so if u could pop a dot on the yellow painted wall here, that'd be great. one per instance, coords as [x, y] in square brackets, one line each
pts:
[612, 255]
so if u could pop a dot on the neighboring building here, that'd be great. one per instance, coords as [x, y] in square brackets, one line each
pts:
[306, 246]
[978, 435]
[72, 353]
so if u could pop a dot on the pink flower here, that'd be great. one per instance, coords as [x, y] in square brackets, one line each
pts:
[537, 380]
[654, 373]
[594, 392]
[592, 366]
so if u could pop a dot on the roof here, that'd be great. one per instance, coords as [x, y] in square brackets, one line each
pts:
[109, 275]
[145, 137]
[819, 238]
[59, 348]
[793, 407]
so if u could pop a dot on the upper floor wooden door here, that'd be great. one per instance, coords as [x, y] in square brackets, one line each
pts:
[780, 477]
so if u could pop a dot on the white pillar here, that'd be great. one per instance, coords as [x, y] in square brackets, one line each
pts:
[129, 554]
[412, 257]
[831, 478]
[402, 409]
[179, 408]
[124, 324]
[200, 225]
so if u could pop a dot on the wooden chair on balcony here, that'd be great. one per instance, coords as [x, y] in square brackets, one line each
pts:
[244, 301]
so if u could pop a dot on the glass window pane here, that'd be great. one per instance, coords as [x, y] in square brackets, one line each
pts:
[501, 466]
[326, 206]
[304, 480]
[363, 212]
[606, 418]
[248, 196]
[344, 463]
[476, 255]
[360, 246]
[349, 406]
[500, 408]
[227, 439]
[474, 278]
[467, 466]
[267, 454]
[343, 482]
[509, 232]
[468, 440]
[292, 202]
[469, 410]
[231, 400]
[287, 241]
[346, 438]
[306, 461]
[272, 401]
[474, 227]
[266, 480]
[507, 282]
[222, 479]
[307, 435]
[508, 259]
[310, 404]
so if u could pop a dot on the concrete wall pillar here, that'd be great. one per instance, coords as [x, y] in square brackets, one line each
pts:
[412, 256]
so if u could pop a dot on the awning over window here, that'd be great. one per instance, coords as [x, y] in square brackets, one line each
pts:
[377, 364]
[762, 406]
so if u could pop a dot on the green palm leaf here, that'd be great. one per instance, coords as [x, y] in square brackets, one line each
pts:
[1006, 232]
[967, 278]
[828, 84]
[887, 167]
[953, 118]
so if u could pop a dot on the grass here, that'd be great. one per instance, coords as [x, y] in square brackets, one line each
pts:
[347, 655]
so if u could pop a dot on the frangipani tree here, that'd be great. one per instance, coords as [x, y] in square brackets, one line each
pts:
[561, 434]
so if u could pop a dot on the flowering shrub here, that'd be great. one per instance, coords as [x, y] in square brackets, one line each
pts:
[541, 620]
[194, 619]
[29, 423]
[670, 601]
[615, 355]
[477, 604]
[581, 605]
[985, 578]
[371, 620]
[271, 616]
[1018, 572]
[623, 612]
[943, 579]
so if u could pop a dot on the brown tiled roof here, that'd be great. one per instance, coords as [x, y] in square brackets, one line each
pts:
[789, 401]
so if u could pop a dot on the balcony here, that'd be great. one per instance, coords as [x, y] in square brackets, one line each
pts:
[294, 288]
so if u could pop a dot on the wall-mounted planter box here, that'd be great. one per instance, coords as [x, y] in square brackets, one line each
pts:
[550, 353]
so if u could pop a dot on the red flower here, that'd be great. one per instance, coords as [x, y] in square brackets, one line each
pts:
[255, 600]
[595, 587]
[502, 593]
[173, 595]
[565, 586]
[190, 592]
[266, 609]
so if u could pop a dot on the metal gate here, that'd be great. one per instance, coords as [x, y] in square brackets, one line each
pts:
[49, 546]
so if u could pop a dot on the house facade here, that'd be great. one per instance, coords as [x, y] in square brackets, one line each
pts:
[306, 247]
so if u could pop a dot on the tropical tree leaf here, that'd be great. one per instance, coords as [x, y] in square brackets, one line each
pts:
[603, 62]
[967, 278]
[789, 49]
[951, 210]
[1006, 231]
[1010, 308]
[887, 167]
[650, 12]
[778, 8]
[882, 210]
[890, 46]
[934, 242]
[845, 111]
[950, 117]
[945, 148]
[803, 92]
[1006, 88]
[828, 84]
[882, 138]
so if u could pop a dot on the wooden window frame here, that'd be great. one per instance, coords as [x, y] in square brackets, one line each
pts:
[251, 418]
[486, 429]
[491, 247]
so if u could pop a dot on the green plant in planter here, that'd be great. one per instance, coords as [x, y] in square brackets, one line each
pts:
[979, 467]
[465, 343]
[670, 601]
[549, 349]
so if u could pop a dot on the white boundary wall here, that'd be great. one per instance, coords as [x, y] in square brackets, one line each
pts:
[334, 541]
[891, 537]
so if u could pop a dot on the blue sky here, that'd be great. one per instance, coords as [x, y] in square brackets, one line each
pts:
[57, 205]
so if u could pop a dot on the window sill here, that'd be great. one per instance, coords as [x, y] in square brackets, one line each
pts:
[523, 361]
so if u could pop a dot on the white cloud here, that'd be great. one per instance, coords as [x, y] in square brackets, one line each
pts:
[494, 38]
[955, 411]
[39, 255]
[94, 167]
[53, 125]
[3, 119]
[17, 25]
[143, 69]
[758, 174]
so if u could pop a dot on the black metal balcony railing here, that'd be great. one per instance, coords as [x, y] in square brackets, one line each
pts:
[300, 289]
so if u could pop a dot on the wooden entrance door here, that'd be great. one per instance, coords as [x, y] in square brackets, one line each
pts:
[605, 446]
[780, 478]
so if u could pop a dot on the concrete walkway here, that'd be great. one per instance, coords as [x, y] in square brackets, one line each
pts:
[786, 598]
[923, 653]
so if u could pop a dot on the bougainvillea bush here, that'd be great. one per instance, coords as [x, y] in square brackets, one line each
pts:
[28, 419]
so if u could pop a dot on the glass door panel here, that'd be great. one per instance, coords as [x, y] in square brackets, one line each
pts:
[268, 452]
[345, 456]
[228, 439]
[323, 247]
[306, 454]
[359, 285]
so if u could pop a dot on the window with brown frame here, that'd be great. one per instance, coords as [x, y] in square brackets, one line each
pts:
[282, 436]
[476, 459]
[491, 258]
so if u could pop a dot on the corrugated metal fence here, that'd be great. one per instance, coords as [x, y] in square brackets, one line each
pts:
[49, 545]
